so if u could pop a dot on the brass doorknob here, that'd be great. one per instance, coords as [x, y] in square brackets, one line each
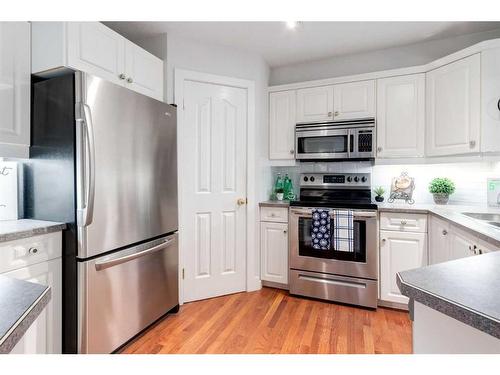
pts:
[241, 201]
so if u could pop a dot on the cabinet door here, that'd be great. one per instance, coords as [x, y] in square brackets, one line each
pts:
[282, 125]
[15, 75]
[461, 243]
[144, 71]
[401, 116]
[315, 104]
[96, 49]
[44, 335]
[399, 251]
[354, 100]
[490, 100]
[274, 252]
[453, 108]
[439, 240]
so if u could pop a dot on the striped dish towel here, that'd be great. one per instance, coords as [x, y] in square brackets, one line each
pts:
[343, 230]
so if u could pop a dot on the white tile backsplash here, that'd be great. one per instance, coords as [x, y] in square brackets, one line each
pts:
[469, 177]
[8, 190]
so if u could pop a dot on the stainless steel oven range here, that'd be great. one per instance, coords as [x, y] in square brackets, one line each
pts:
[342, 276]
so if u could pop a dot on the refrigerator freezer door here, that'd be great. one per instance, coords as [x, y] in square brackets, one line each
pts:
[126, 166]
[121, 294]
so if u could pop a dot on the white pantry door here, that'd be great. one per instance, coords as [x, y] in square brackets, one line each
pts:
[213, 174]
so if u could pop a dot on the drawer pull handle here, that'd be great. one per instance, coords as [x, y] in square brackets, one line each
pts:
[403, 222]
[33, 250]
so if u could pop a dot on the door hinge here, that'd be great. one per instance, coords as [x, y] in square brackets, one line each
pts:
[183, 274]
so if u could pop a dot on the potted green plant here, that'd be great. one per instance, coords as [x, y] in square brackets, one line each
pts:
[379, 194]
[279, 193]
[441, 189]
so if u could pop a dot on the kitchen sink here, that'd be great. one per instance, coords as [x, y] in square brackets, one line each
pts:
[483, 217]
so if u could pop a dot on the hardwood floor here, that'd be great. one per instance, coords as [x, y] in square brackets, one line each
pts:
[271, 321]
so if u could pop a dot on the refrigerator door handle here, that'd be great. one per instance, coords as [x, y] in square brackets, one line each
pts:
[116, 261]
[88, 210]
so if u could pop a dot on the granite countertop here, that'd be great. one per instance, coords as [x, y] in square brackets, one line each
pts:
[20, 304]
[274, 204]
[453, 214]
[465, 289]
[23, 228]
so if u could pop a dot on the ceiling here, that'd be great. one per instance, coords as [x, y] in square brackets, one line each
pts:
[279, 45]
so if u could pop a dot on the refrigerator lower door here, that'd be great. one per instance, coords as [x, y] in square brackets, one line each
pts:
[123, 293]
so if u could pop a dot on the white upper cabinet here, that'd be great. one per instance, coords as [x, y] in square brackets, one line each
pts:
[354, 100]
[453, 107]
[401, 116]
[93, 48]
[144, 71]
[315, 104]
[490, 100]
[96, 49]
[14, 89]
[282, 125]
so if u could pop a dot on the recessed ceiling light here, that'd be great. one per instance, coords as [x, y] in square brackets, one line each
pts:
[292, 24]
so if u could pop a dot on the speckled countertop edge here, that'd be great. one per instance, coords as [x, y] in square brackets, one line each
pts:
[25, 228]
[454, 310]
[12, 337]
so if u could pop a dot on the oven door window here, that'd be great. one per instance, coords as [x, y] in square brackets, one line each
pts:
[306, 249]
[332, 144]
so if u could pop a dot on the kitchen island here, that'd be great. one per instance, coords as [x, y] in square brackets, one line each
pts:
[455, 306]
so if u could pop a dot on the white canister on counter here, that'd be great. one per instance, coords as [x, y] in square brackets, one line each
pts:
[8, 190]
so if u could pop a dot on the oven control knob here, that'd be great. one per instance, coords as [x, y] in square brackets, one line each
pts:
[311, 178]
[363, 179]
[306, 179]
[349, 178]
[356, 179]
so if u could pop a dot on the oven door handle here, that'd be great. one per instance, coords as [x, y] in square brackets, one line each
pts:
[308, 211]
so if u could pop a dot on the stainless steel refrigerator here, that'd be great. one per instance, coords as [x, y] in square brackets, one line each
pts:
[103, 159]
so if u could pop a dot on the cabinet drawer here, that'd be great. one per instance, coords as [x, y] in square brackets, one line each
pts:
[275, 214]
[403, 222]
[26, 251]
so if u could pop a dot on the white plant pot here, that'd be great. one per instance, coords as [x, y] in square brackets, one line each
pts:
[279, 196]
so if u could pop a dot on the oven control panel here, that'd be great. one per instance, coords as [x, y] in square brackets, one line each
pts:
[362, 180]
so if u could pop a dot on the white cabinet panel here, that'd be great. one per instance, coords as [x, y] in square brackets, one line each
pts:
[403, 222]
[490, 100]
[354, 100]
[439, 240]
[275, 214]
[96, 49]
[144, 71]
[274, 252]
[401, 116]
[461, 243]
[282, 125]
[44, 335]
[315, 104]
[453, 108]
[15, 89]
[399, 251]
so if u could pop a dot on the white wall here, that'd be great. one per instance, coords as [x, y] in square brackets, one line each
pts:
[391, 58]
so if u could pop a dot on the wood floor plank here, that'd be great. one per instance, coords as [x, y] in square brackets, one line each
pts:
[272, 321]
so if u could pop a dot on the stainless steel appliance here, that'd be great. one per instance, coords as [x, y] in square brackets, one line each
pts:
[347, 277]
[335, 140]
[103, 159]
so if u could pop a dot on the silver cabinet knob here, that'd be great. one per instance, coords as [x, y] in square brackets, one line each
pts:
[122, 76]
[33, 250]
[403, 222]
[329, 114]
[472, 144]
[383, 239]
[445, 232]
[292, 152]
[379, 149]
[130, 80]
[285, 231]
[336, 113]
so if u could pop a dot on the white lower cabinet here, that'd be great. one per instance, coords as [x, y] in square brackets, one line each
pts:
[449, 242]
[44, 335]
[38, 259]
[399, 251]
[274, 252]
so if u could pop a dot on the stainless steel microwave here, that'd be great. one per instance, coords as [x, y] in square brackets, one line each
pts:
[335, 140]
